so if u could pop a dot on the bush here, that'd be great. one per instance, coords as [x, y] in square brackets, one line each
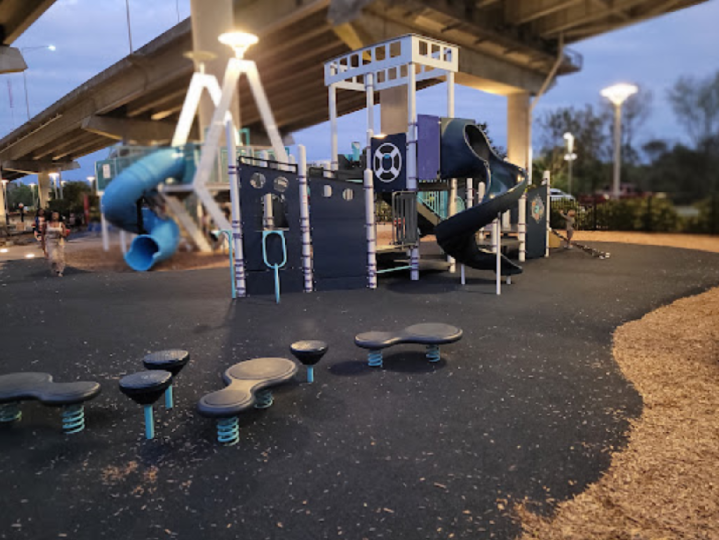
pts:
[707, 222]
[649, 214]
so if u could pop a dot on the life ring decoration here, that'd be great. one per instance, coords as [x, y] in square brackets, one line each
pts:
[387, 162]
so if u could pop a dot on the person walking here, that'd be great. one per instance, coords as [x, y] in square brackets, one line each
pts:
[38, 228]
[55, 233]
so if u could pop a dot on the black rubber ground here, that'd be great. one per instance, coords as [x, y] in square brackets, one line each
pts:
[527, 404]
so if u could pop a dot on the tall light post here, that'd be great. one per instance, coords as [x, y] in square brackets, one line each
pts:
[570, 156]
[618, 94]
[24, 76]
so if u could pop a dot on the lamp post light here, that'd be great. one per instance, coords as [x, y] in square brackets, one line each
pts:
[24, 76]
[618, 94]
[570, 156]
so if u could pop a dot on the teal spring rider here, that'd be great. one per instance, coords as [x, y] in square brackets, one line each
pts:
[275, 266]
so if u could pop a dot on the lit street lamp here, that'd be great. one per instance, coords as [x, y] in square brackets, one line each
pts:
[570, 156]
[618, 94]
[24, 77]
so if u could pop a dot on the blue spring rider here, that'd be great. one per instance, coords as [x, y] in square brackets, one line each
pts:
[275, 266]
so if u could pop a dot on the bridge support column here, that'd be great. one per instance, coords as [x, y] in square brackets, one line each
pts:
[209, 20]
[43, 188]
[519, 134]
[3, 215]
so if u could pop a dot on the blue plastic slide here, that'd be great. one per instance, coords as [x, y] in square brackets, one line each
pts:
[158, 237]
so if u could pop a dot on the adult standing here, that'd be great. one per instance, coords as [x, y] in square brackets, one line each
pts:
[38, 228]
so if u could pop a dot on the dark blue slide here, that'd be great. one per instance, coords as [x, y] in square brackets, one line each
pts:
[466, 153]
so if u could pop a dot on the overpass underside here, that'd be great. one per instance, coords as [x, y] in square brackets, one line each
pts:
[507, 47]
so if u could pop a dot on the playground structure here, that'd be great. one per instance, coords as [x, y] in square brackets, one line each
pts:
[276, 237]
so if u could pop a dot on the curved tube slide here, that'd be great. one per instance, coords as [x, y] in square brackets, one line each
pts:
[159, 237]
[466, 153]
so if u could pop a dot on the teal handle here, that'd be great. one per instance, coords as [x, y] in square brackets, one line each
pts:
[275, 266]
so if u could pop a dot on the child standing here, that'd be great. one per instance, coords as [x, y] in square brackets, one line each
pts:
[569, 217]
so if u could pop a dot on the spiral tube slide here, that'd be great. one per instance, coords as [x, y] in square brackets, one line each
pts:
[466, 152]
[159, 237]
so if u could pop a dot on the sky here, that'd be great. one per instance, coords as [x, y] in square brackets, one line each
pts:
[91, 35]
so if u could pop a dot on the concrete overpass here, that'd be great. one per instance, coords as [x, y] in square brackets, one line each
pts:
[509, 47]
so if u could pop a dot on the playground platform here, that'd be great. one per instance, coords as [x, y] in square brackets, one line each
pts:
[530, 404]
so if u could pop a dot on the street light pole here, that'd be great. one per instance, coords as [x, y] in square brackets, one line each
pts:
[24, 76]
[570, 156]
[618, 94]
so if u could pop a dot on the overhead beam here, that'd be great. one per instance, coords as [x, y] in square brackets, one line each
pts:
[476, 69]
[129, 130]
[518, 12]
[581, 14]
[18, 16]
[113, 88]
[35, 167]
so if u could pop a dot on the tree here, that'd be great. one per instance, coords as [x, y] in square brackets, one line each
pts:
[696, 106]
[591, 144]
[19, 193]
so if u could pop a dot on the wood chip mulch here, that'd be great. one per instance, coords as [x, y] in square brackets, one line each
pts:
[686, 241]
[96, 260]
[665, 484]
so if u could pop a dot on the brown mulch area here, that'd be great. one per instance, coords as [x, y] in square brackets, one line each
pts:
[687, 241]
[96, 260]
[665, 484]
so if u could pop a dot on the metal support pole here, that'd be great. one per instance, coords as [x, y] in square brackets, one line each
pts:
[123, 241]
[369, 189]
[333, 125]
[305, 220]
[233, 178]
[412, 155]
[452, 210]
[498, 248]
[469, 202]
[617, 150]
[522, 226]
[105, 235]
[547, 180]
[481, 187]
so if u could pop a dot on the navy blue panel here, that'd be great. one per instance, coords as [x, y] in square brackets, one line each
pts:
[427, 147]
[389, 162]
[286, 209]
[339, 243]
[536, 222]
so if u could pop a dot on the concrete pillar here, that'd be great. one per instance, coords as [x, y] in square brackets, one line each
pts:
[393, 103]
[43, 186]
[209, 20]
[3, 215]
[518, 129]
[519, 136]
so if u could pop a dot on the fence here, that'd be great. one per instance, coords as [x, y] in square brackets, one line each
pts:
[650, 214]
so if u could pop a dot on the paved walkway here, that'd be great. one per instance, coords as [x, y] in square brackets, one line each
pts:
[528, 404]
